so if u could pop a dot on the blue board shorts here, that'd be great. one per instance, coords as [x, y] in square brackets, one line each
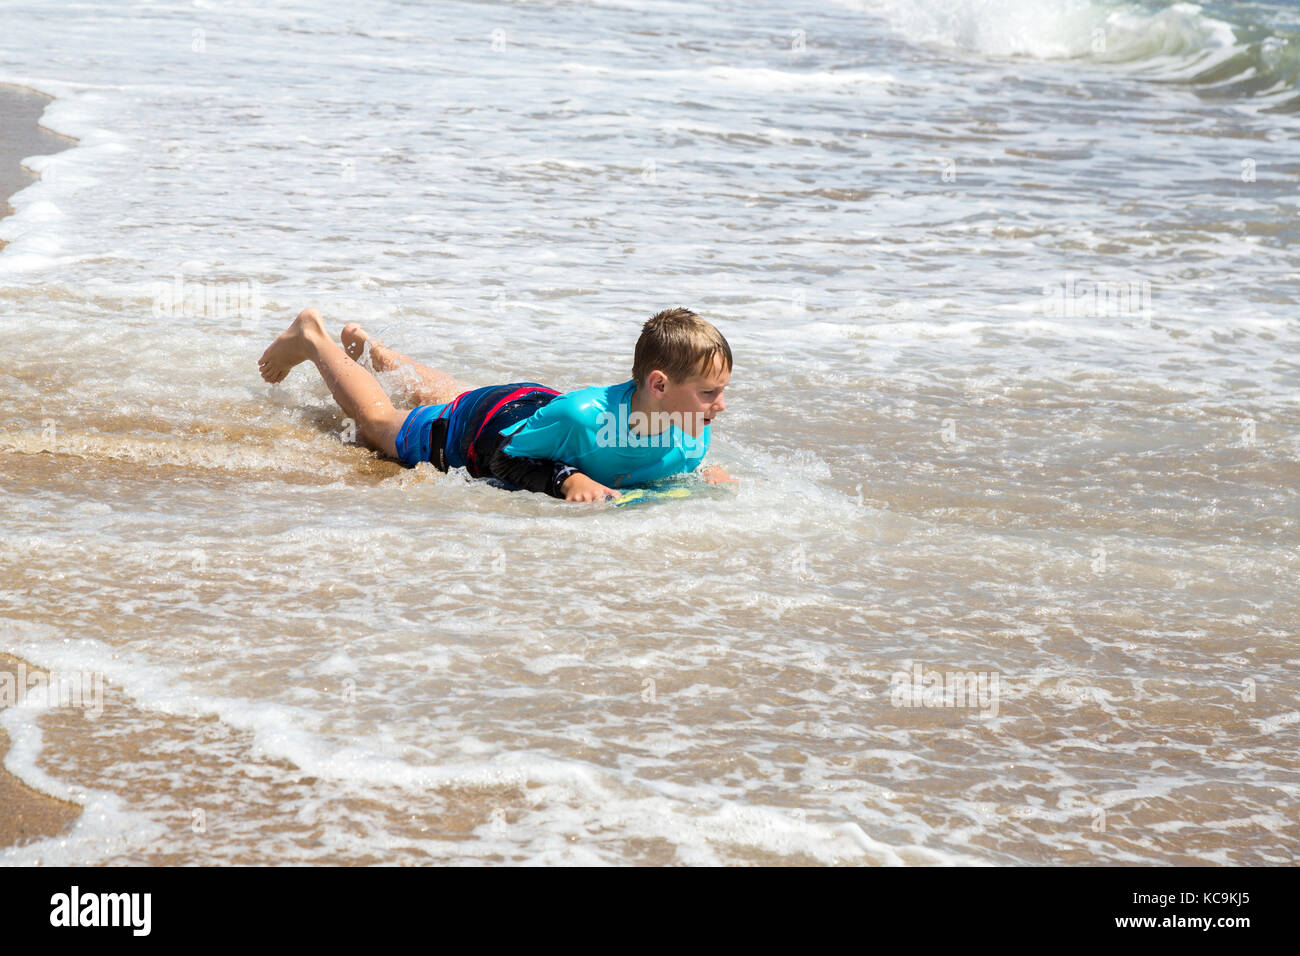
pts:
[461, 433]
[415, 439]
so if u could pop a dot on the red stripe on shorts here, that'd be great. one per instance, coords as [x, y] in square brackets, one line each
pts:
[517, 393]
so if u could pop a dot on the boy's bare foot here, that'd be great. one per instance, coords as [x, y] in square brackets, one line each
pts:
[291, 347]
[354, 339]
[382, 358]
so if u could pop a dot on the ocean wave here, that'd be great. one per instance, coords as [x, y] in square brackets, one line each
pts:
[1222, 53]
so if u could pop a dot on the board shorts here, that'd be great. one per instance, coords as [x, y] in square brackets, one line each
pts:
[462, 433]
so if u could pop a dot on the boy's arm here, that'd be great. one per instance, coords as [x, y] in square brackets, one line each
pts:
[714, 474]
[539, 446]
[554, 478]
[531, 474]
[578, 487]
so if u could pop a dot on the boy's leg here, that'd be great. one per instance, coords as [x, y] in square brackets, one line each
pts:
[431, 387]
[358, 394]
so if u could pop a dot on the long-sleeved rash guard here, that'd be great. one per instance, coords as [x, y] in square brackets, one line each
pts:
[587, 431]
[529, 436]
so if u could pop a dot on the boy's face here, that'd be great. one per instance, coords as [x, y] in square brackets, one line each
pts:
[698, 400]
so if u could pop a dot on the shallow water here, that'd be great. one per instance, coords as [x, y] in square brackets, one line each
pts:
[1015, 397]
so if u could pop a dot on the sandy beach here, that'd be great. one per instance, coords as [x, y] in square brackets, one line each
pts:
[27, 812]
[20, 110]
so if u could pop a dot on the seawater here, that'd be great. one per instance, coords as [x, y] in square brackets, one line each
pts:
[1012, 293]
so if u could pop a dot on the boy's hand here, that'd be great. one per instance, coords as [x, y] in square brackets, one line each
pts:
[578, 487]
[715, 474]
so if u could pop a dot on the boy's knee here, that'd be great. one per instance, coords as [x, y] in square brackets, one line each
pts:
[379, 429]
[374, 422]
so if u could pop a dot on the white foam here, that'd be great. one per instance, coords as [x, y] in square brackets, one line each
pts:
[1054, 29]
[752, 78]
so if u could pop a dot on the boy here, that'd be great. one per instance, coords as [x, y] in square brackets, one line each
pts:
[579, 446]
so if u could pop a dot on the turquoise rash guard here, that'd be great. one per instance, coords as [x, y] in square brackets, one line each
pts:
[588, 429]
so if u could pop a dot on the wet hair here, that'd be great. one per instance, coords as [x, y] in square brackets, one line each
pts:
[680, 344]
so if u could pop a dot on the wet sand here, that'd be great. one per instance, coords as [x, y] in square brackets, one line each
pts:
[20, 110]
[25, 814]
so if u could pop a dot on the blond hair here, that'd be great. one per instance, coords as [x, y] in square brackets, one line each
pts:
[680, 344]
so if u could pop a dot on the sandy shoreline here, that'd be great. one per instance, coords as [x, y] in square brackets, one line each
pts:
[25, 814]
[20, 111]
